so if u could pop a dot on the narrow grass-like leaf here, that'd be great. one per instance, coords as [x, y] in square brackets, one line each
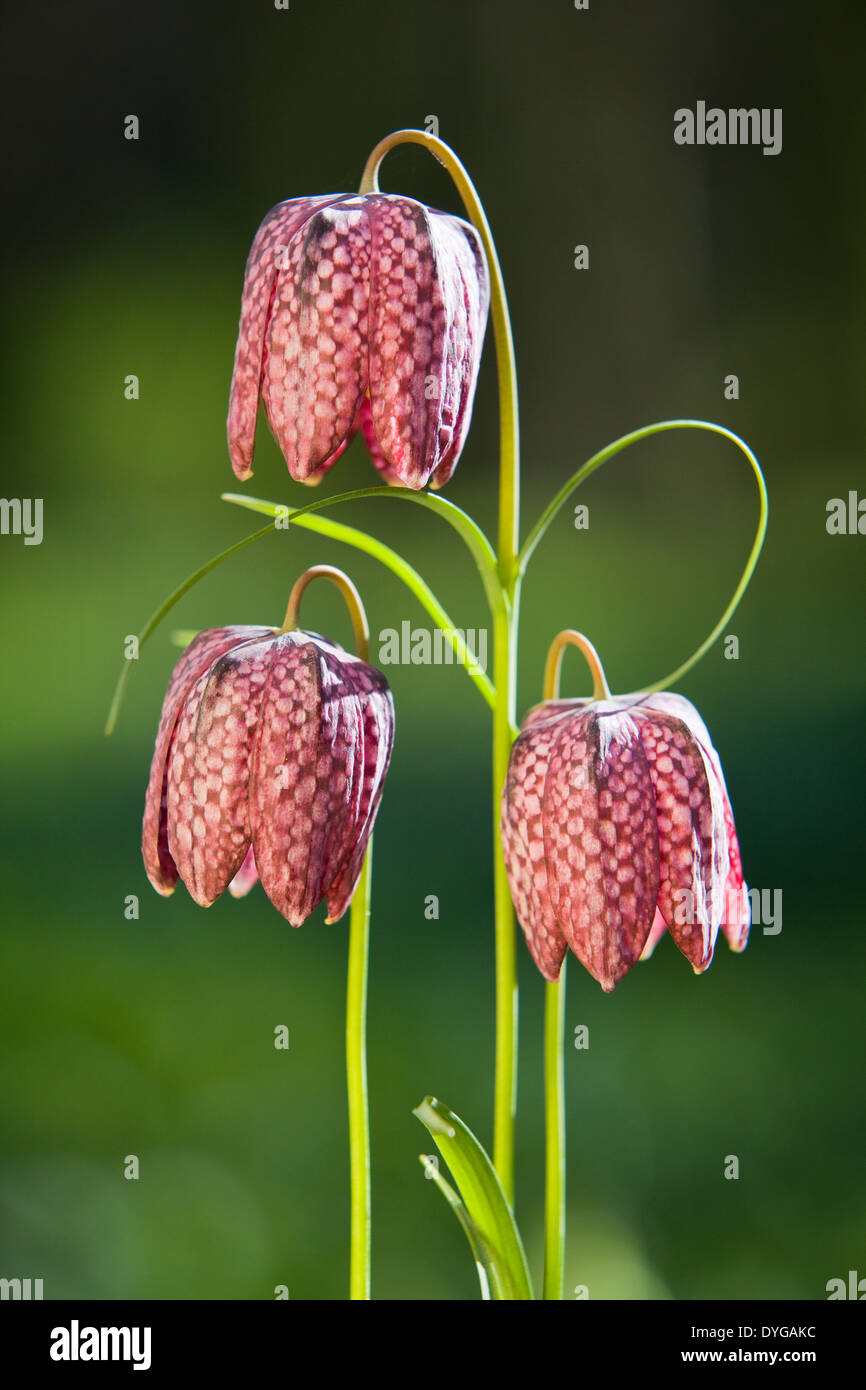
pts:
[497, 1236]
[156, 618]
[350, 535]
[467, 529]
[553, 508]
[484, 1264]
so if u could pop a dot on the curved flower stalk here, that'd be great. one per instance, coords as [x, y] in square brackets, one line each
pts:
[360, 312]
[505, 623]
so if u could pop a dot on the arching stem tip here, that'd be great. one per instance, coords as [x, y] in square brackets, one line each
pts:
[570, 638]
[353, 602]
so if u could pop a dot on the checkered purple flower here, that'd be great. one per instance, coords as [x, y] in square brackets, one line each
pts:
[360, 312]
[616, 826]
[269, 763]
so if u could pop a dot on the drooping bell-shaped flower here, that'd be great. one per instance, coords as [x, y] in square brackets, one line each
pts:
[360, 311]
[616, 825]
[269, 762]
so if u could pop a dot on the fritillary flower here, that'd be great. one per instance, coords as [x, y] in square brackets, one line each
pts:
[269, 763]
[617, 826]
[360, 312]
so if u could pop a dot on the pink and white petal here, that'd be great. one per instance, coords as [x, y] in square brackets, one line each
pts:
[267, 255]
[524, 850]
[657, 931]
[378, 714]
[315, 367]
[737, 917]
[208, 775]
[313, 479]
[600, 832]
[365, 424]
[408, 325]
[246, 877]
[304, 791]
[341, 763]
[734, 911]
[550, 710]
[677, 706]
[201, 653]
[283, 783]
[467, 300]
[690, 821]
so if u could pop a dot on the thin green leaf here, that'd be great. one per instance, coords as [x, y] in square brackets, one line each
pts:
[616, 447]
[484, 1262]
[156, 618]
[350, 535]
[469, 531]
[483, 1196]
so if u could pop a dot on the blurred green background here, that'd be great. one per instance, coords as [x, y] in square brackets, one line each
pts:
[155, 1037]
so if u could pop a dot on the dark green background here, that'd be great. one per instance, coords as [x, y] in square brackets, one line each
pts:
[155, 1037]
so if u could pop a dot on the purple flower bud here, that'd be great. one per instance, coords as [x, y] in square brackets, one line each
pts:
[616, 825]
[269, 762]
[360, 311]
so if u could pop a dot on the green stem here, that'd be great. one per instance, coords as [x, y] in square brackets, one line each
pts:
[505, 620]
[356, 987]
[554, 1126]
[554, 1022]
[509, 431]
[351, 598]
[505, 1083]
[356, 1075]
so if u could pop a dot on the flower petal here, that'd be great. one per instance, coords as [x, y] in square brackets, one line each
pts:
[365, 423]
[737, 917]
[377, 707]
[690, 822]
[599, 827]
[657, 931]
[523, 846]
[304, 787]
[343, 738]
[315, 367]
[246, 877]
[209, 768]
[266, 257]
[428, 305]
[467, 322]
[735, 913]
[206, 648]
[552, 710]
